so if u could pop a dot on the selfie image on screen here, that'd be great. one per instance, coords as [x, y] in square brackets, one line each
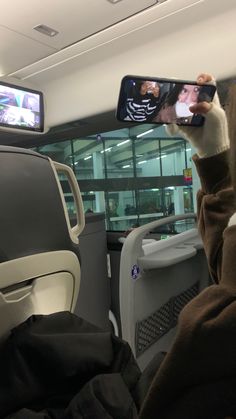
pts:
[175, 108]
[142, 99]
[19, 108]
[161, 102]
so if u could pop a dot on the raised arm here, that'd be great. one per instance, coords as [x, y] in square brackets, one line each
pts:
[215, 199]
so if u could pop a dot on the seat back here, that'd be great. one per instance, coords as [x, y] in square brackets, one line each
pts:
[39, 255]
[157, 279]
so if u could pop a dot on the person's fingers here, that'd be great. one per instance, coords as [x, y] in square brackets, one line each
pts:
[205, 78]
[200, 108]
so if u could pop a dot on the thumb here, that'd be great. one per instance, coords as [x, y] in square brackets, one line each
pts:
[204, 107]
[201, 108]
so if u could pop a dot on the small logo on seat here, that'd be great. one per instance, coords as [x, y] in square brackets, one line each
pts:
[135, 272]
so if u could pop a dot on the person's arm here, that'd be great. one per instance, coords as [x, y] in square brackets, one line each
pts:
[216, 199]
[215, 203]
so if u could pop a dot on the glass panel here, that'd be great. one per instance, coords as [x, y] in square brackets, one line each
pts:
[88, 158]
[174, 228]
[178, 200]
[185, 225]
[188, 155]
[60, 152]
[93, 201]
[119, 159]
[150, 205]
[188, 200]
[172, 157]
[147, 158]
[154, 205]
[169, 200]
[147, 152]
[121, 210]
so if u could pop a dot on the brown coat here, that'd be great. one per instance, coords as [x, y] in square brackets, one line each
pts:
[197, 379]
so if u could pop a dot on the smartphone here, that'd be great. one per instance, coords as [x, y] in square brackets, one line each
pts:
[161, 101]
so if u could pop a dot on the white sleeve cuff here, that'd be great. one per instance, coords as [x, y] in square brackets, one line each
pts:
[232, 220]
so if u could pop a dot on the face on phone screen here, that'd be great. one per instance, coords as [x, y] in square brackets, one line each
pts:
[161, 101]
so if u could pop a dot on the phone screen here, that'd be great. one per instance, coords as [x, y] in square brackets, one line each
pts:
[161, 101]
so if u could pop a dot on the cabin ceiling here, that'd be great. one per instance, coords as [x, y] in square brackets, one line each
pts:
[74, 20]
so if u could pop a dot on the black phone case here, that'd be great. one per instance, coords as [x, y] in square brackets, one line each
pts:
[207, 92]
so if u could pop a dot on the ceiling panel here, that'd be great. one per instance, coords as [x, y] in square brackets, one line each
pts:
[116, 39]
[73, 19]
[17, 51]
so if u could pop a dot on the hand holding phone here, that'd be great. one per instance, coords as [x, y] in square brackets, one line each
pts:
[162, 101]
[212, 138]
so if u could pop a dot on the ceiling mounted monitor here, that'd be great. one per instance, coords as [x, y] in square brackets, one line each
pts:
[21, 109]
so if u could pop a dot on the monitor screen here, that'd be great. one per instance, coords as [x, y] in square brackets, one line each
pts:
[21, 108]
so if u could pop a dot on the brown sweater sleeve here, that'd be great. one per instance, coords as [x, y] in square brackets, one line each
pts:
[215, 206]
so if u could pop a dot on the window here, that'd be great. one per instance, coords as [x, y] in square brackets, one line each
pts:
[173, 160]
[135, 175]
[60, 152]
[88, 158]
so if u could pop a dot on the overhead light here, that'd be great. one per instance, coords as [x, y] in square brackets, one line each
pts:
[106, 149]
[144, 133]
[126, 166]
[161, 157]
[143, 161]
[123, 142]
[46, 30]
[87, 158]
[188, 149]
